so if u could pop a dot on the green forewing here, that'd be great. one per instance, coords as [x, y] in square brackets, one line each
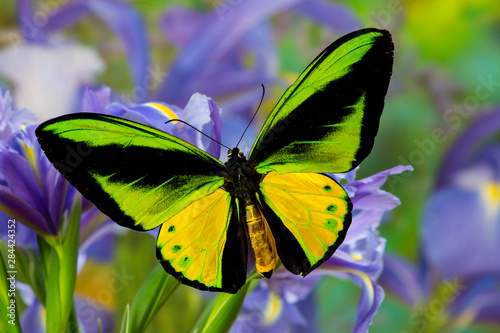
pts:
[327, 120]
[137, 175]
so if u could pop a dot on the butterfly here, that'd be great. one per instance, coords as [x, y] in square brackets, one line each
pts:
[279, 203]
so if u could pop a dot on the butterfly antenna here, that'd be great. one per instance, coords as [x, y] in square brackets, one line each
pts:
[260, 103]
[182, 121]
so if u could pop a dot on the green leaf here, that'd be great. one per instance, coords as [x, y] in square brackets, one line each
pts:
[59, 268]
[45, 253]
[69, 257]
[53, 300]
[226, 307]
[154, 291]
[126, 320]
[30, 271]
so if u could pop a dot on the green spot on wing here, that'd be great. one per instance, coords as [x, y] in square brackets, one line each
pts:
[175, 248]
[327, 188]
[171, 228]
[184, 261]
[331, 208]
[330, 224]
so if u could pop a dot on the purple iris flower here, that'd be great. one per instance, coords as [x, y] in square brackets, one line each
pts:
[201, 112]
[11, 118]
[458, 271]
[33, 317]
[214, 48]
[284, 302]
[32, 191]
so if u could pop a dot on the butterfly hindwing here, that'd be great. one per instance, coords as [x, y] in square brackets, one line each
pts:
[327, 120]
[204, 245]
[308, 214]
[137, 175]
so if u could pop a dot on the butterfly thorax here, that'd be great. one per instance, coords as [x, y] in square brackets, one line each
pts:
[242, 181]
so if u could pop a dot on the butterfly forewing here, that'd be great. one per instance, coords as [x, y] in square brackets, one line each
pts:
[327, 120]
[137, 175]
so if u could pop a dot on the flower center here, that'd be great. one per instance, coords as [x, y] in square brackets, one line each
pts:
[171, 114]
[273, 308]
[490, 193]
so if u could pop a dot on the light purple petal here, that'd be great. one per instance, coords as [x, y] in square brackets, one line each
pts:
[457, 228]
[65, 16]
[307, 308]
[370, 203]
[377, 200]
[222, 32]
[489, 309]
[25, 237]
[180, 25]
[31, 31]
[400, 278]
[98, 240]
[486, 125]
[32, 318]
[368, 185]
[95, 100]
[141, 113]
[293, 313]
[216, 132]
[292, 288]
[348, 176]
[228, 75]
[361, 262]
[56, 189]
[21, 180]
[465, 296]
[11, 119]
[125, 23]
[363, 222]
[294, 316]
[333, 15]
[89, 312]
[197, 113]
[128, 26]
[372, 294]
[19, 210]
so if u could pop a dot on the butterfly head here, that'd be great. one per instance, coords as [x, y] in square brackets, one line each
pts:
[235, 153]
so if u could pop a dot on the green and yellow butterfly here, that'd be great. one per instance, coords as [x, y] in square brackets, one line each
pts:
[279, 200]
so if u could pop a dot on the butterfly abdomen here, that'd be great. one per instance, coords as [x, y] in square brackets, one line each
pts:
[261, 240]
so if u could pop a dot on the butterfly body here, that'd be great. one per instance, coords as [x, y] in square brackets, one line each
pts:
[261, 240]
[280, 200]
[242, 181]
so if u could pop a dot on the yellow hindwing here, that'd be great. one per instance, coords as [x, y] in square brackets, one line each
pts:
[192, 242]
[313, 207]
